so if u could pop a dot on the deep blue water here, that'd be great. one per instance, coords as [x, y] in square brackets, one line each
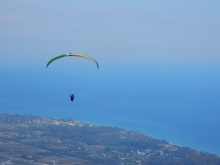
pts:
[176, 103]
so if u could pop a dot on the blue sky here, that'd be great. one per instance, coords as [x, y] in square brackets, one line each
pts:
[160, 57]
[111, 30]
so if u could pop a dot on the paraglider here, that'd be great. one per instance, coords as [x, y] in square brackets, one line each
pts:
[73, 55]
[72, 96]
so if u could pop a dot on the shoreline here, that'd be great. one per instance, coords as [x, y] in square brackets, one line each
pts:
[148, 132]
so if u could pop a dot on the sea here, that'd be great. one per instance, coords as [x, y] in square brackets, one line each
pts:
[176, 103]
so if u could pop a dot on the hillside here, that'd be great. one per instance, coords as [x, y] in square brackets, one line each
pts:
[26, 139]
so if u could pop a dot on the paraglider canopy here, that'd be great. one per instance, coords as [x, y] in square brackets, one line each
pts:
[73, 55]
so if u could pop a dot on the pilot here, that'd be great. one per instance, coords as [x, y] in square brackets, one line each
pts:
[72, 97]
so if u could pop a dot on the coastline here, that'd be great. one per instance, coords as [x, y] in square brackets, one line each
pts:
[149, 128]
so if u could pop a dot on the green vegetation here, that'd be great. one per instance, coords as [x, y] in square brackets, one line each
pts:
[34, 139]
